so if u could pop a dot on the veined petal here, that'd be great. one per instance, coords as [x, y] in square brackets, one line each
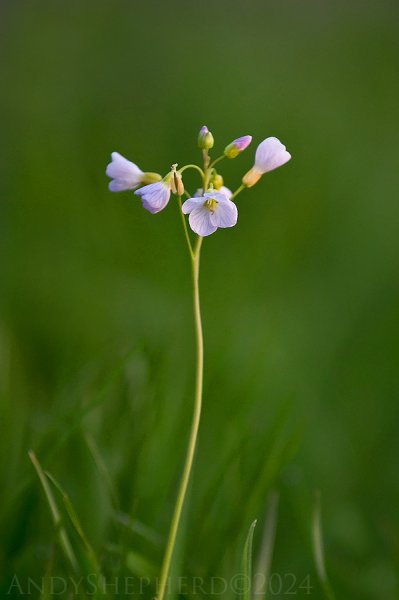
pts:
[119, 185]
[192, 203]
[154, 196]
[225, 215]
[200, 221]
[223, 190]
[271, 154]
[226, 192]
[218, 196]
[127, 174]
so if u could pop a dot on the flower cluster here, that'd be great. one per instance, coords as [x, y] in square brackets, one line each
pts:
[212, 205]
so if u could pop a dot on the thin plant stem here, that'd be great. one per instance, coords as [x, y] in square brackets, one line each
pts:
[218, 159]
[238, 191]
[192, 442]
[186, 234]
[196, 167]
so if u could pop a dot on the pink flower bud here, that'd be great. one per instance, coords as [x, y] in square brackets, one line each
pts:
[237, 146]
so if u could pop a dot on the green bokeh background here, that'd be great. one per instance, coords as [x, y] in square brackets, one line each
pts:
[300, 300]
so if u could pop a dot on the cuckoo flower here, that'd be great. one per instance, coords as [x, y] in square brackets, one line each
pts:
[270, 154]
[210, 211]
[125, 175]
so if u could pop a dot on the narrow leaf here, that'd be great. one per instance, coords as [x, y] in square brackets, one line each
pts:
[55, 513]
[264, 562]
[318, 549]
[247, 564]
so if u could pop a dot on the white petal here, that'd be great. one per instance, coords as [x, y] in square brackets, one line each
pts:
[124, 170]
[200, 221]
[225, 215]
[216, 195]
[192, 203]
[225, 191]
[120, 185]
[270, 154]
[154, 196]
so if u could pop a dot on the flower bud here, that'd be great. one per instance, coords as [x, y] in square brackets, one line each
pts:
[237, 146]
[205, 139]
[217, 181]
[149, 177]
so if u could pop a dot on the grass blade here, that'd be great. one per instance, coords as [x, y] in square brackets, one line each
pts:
[266, 553]
[247, 563]
[318, 549]
[55, 513]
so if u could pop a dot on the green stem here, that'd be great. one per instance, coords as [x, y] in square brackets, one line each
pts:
[186, 234]
[196, 167]
[238, 191]
[192, 442]
[218, 159]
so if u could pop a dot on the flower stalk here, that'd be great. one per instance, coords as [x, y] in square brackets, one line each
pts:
[192, 442]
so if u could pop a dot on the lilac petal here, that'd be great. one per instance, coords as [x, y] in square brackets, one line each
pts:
[218, 196]
[192, 203]
[200, 221]
[225, 191]
[154, 196]
[119, 185]
[225, 215]
[243, 142]
[122, 169]
[271, 154]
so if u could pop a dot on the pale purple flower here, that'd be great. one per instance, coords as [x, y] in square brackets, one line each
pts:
[223, 190]
[210, 211]
[270, 155]
[237, 146]
[125, 175]
[155, 196]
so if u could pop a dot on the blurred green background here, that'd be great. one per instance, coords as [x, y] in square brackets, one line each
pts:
[300, 300]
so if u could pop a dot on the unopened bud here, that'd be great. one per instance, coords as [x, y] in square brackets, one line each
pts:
[217, 181]
[205, 139]
[237, 146]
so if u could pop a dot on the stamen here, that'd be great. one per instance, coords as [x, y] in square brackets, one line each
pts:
[211, 204]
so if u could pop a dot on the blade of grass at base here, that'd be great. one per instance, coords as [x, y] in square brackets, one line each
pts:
[318, 549]
[55, 513]
[72, 514]
[102, 469]
[266, 553]
[247, 563]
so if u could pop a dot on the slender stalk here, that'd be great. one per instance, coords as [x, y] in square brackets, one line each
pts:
[192, 442]
[238, 191]
[196, 167]
[186, 234]
[215, 162]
